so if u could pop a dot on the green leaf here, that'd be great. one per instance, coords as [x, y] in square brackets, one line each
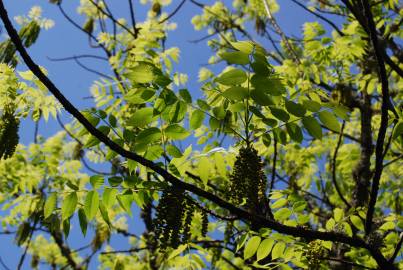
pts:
[91, 118]
[91, 141]
[280, 135]
[236, 93]
[176, 132]
[264, 249]
[141, 117]
[196, 120]
[398, 130]
[312, 126]
[329, 120]
[97, 181]
[347, 229]
[279, 203]
[142, 73]
[177, 112]
[69, 205]
[232, 77]
[50, 205]
[280, 114]
[260, 68]
[357, 222]
[115, 181]
[270, 86]
[109, 197]
[83, 221]
[330, 224]
[241, 242]
[243, 46]
[148, 135]
[266, 139]
[299, 206]
[125, 201]
[338, 214]
[239, 58]
[177, 251]
[260, 97]
[91, 204]
[251, 247]
[139, 96]
[390, 225]
[66, 228]
[282, 214]
[311, 105]
[295, 132]
[173, 151]
[295, 108]
[104, 213]
[278, 250]
[184, 93]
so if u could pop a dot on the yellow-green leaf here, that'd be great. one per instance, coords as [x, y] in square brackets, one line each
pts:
[69, 205]
[50, 205]
[251, 247]
[264, 248]
[91, 204]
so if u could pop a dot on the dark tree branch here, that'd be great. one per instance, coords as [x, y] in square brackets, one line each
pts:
[132, 250]
[361, 18]
[383, 78]
[133, 18]
[65, 250]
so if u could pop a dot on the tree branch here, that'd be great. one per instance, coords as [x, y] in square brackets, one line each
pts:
[334, 167]
[173, 12]
[332, 24]
[383, 78]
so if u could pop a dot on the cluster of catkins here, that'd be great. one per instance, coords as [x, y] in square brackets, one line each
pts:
[9, 138]
[174, 217]
[248, 183]
[314, 253]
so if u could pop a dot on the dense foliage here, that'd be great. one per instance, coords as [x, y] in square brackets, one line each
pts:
[288, 160]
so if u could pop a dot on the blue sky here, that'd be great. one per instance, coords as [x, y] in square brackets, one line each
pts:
[63, 40]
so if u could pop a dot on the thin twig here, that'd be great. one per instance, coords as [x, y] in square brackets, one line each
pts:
[393, 161]
[347, 262]
[273, 171]
[397, 249]
[92, 70]
[3, 264]
[132, 17]
[174, 12]
[334, 166]
[323, 18]
[77, 57]
[110, 16]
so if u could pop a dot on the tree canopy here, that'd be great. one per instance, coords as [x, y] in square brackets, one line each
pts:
[288, 156]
